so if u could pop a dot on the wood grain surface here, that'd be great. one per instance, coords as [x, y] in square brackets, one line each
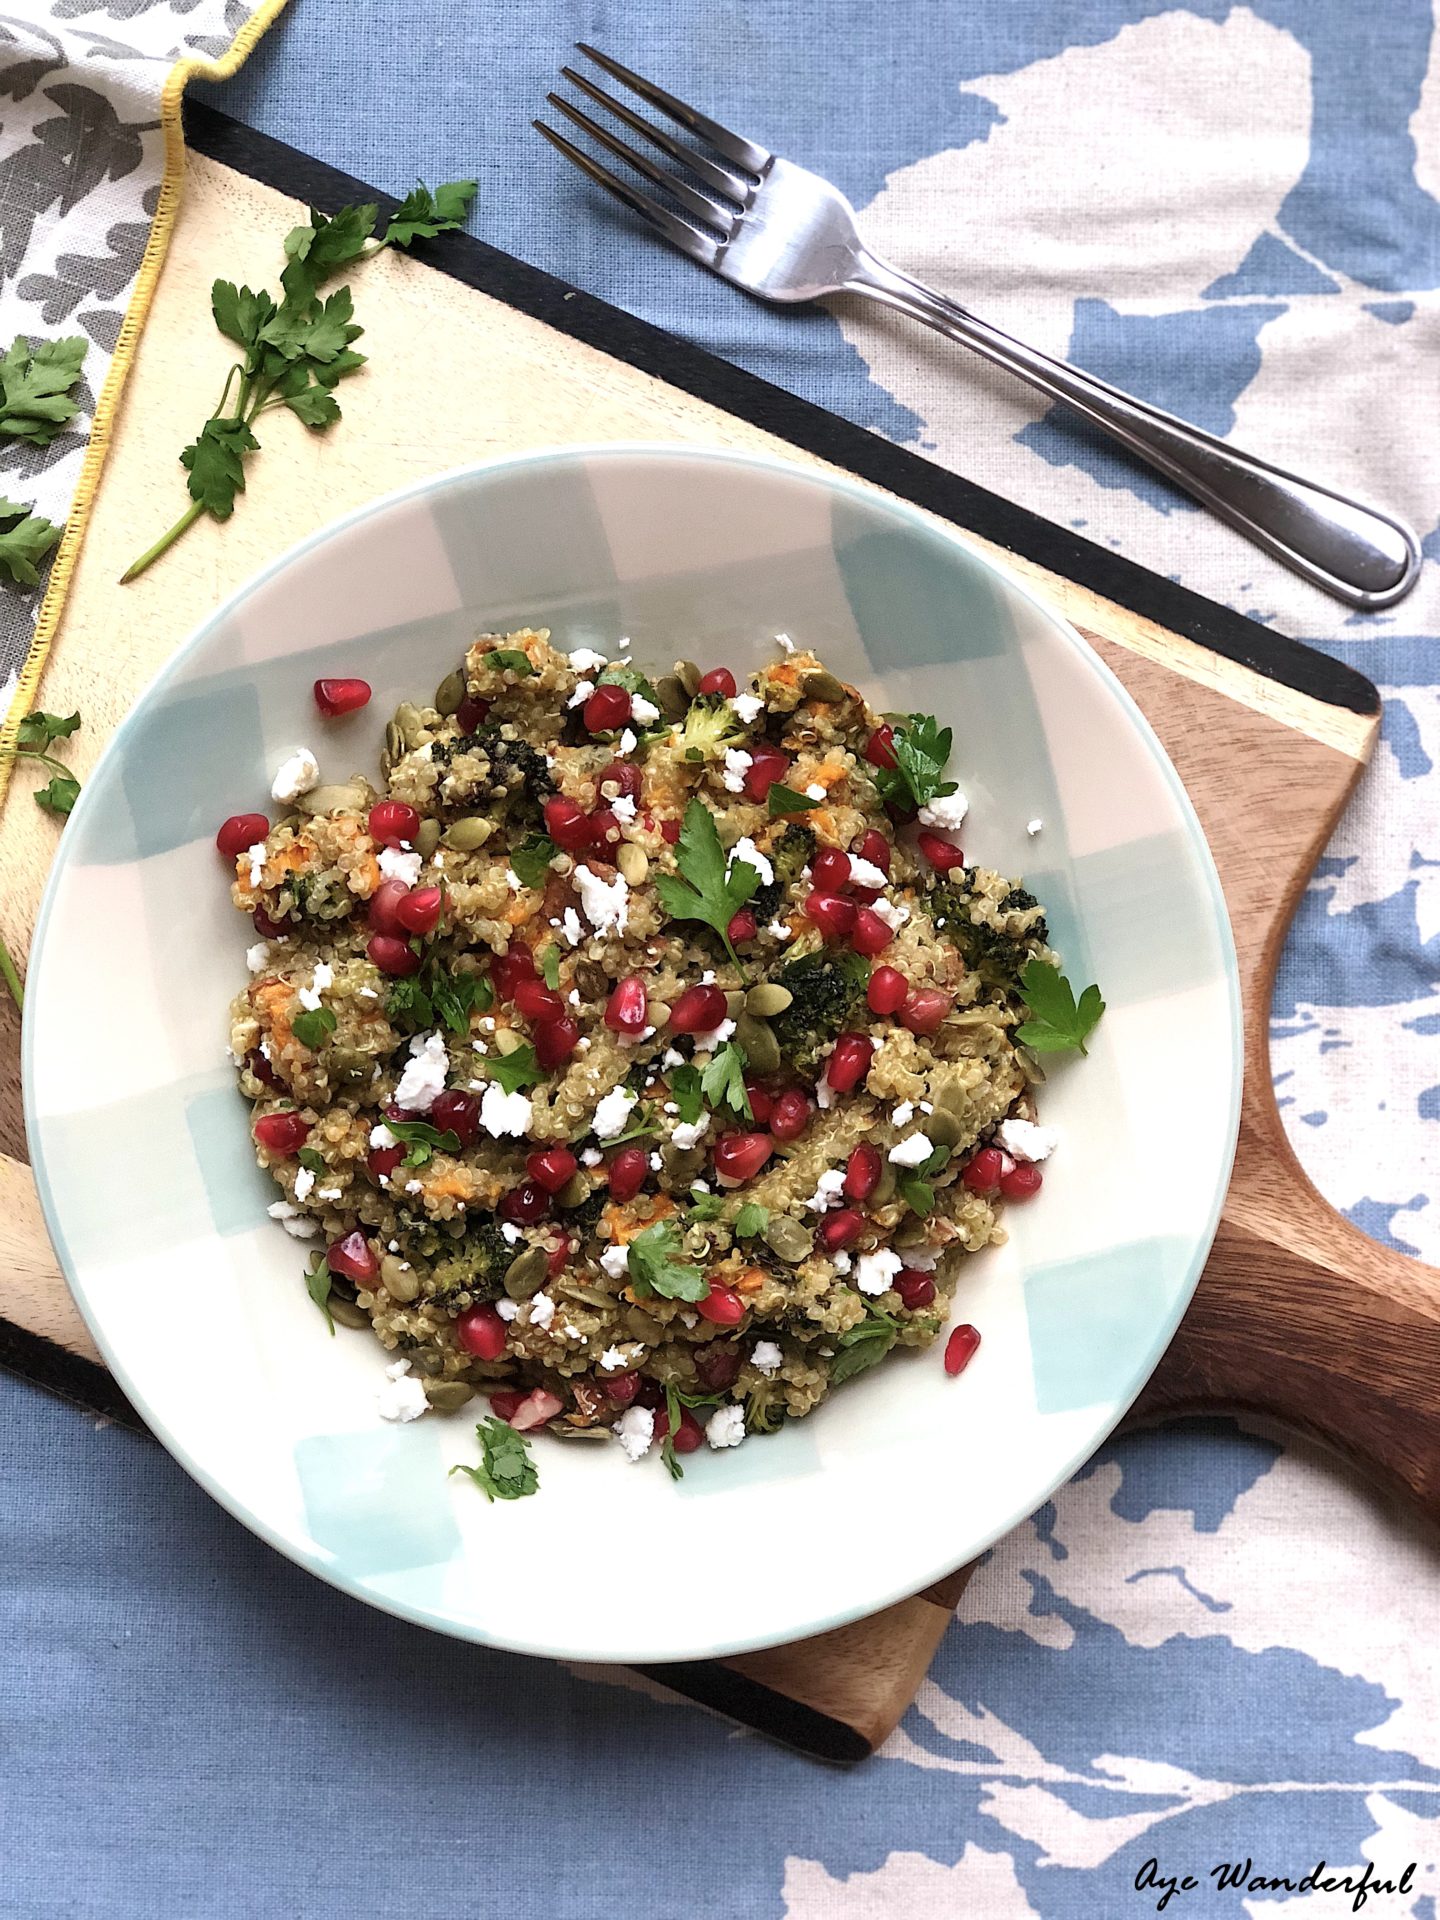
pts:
[1298, 1315]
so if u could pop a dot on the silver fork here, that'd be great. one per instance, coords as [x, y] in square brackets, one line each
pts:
[786, 235]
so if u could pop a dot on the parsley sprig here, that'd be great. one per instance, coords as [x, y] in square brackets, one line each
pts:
[785, 799]
[531, 859]
[432, 995]
[318, 1282]
[922, 747]
[1058, 1023]
[423, 1140]
[863, 1345]
[710, 890]
[506, 1471]
[313, 1027]
[655, 1267]
[36, 401]
[723, 1081]
[295, 350]
[25, 539]
[914, 1182]
[514, 1071]
[37, 731]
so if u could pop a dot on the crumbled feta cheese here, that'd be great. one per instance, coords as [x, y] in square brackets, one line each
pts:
[672, 1057]
[297, 775]
[1023, 1140]
[778, 930]
[304, 1181]
[591, 1157]
[927, 1106]
[624, 643]
[582, 693]
[947, 812]
[402, 1397]
[397, 865]
[505, 1113]
[507, 1309]
[746, 849]
[875, 1271]
[296, 1224]
[424, 1075]
[628, 741]
[726, 1427]
[571, 928]
[586, 660]
[707, 979]
[612, 1112]
[824, 1094]
[656, 1162]
[828, 1190]
[785, 643]
[613, 1360]
[606, 902]
[257, 958]
[923, 1259]
[257, 856]
[623, 807]
[690, 1133]
[366, 993]
[688, 1319]
[571, 1331]
[912, 1152]
[669, 1106]
[542, 1310]
[327, 1193]
[510, 1233]
[635, 1429]
[414, 1186]
[737, 764]
[309, 997]
[749, 706]
[513, 880]
[902, 1115]
[717, 1036]
[616, 1261]
[842, 1260]
[765, 1357]
[864, 873]
[1032, 827]
[815, 792]
[643, 710]
[891, 913]
[381, 1136]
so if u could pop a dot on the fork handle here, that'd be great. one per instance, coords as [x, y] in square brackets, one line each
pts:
[1360, 555]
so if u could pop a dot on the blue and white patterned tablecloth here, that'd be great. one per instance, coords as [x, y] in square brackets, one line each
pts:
[1209, 1646]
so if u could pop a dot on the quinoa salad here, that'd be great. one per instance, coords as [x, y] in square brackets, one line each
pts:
[637, 1053]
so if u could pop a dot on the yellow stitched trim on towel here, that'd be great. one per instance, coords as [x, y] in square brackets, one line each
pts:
[161, 227]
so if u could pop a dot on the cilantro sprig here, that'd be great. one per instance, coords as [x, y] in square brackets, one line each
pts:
[922, 747]
[506, 1471]
[295, 350]
[655, 1267]
[707, 889]
[432, 995]
[1058, 1023]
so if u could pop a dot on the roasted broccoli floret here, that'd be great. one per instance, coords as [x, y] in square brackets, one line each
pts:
[824, 988]
[997, 954]
[790, 853]
[710, 725]
[469, 1269]
[517, 774]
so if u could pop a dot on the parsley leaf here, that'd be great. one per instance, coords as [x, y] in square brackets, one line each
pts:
[1058, 1024]
[785, 799]
[654, 1267]
[422, 1139]
[455, 996]
[914, 1182]
[25, 539]
[506, 1471]
[422, 214]
[317, 1285]
[751, 1220]
[59, 794]
[507, 660]
[215, 462]
[513, 1070]
[710, 891]
[38, 729]
[239, 313]
[706, 1206]
[312, 1027]
[686, 1091]
[35, 383]
[675, 1404]
[550, 968]
[531, 859]
[314, 406]
[862, 1346]
[311, 1160]
[922, 746]
[723, 1081]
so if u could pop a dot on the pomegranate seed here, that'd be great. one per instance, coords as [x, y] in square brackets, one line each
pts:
[267, 928]
[662, 1423]
[871, 934]
[335, 697]
[718, 1365]
[419, 910]
[382, 914]
[605, 830]
[393, 956]
[567, 823]
[625, 1009]
[718, 680]
[283, 1133]
[457, 1112]
[1021, 1180]
[607, 709]
[627, 1171]
[650, 1393]
[960, 1348]
[916, 1289]
[830, 870]
[353, 1258]
[535, 1409]
[240, 831]
[841, 1229]
[525, 1205]
[381, 1162]
[722, 1307]
[740, 1156]
[689, 1434]
[983, 1170]
[887, 991]
[743, 926]
[880, 748]
[551, 1167]
[623, 1387]
[625, 777]
[537, 1001]
[557, 1255]
[924, 1010]
[766, 767]
[556, 1041]
[670, 832]
[762, 1103]
[789, 1115]
[942, 854]
[472, 713]
[262, 1069]
[832, 913]
[698, 1010]
[508, 969]
[862, 1172]
[481, 1331]
[849, 1062]
[875, 848]
[391, 821]
[505, 1403]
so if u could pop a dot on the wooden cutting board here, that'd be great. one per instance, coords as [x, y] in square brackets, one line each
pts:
[1298, 1315]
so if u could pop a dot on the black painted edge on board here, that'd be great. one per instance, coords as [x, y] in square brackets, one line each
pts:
[803, 424]
[44, 1363]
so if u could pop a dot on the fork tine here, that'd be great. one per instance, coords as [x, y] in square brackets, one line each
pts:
[716, 177]
[691, 198]
[742, 152]
[690, 240]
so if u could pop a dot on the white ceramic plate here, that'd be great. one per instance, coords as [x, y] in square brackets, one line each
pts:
[158, 1212]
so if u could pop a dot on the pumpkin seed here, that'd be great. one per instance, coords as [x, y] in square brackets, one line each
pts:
[468, 834]
[945, 1127]
[394, 741]
[819, 685]
[633, 862]
[788, 1238]
[526, 1273]
[762, 1049]
[575, 1189]
[640, 1326]
[346, 1313]
[402, 1283]
[912, 1231]
[592, 979]
[767, 999]
[409, 723]
[689, 676]
[579, 1433]
[671, 696]
[507, 1040]
[347, 798]
[734, 1004]
[427, 838]
[449, 694]
[885, 1186]
[426, 1361]
[448, 1396]
[950, 1093]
